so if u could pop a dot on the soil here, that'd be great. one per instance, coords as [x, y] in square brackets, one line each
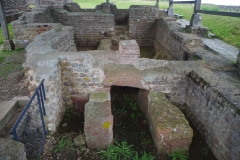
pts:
[81, 48]
[129, 125]
[12, 82]
[147, 52]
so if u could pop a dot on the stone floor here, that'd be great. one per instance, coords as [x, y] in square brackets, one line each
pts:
[216, 45]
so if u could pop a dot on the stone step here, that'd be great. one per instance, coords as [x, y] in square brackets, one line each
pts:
[9, 108]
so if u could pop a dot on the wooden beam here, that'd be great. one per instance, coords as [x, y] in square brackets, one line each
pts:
[183, 2]
[197, 5]
[230, 14]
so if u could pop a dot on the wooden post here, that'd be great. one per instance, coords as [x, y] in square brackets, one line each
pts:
[196, 19]
[197, 5]
[170, 3]
[157, 3]
[4, 21]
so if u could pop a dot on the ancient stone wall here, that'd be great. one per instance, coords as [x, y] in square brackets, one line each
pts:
[18, 5]
[142, 22]
[29, 31]
[40, 14]
[89, 26]
[72, 7]
[47, 2]
[171, 42]
[121, 15]
[215, 116]
[58, 39]
[79, 78]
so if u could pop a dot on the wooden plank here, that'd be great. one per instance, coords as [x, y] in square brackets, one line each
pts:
[230, 14]
[183, 2]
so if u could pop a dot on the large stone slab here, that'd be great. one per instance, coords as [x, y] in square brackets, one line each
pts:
[98, 125]
[10, 149]
[129, 51]
[168, 126]
[7, 109]
[123, 75]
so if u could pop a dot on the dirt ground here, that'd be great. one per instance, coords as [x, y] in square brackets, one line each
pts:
[12, 81]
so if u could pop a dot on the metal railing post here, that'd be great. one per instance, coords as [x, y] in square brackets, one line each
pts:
[30, 124]
[41, 113]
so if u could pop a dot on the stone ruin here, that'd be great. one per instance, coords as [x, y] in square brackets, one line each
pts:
[189, 76]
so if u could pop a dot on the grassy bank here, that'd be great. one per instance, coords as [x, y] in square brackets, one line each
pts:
[10, 33]
[226, 28]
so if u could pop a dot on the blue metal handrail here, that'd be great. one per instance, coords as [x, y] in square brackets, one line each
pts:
[34, 111]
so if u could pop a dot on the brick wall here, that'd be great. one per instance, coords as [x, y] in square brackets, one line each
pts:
[121, 15]
[142, 22]
[72, 7]
[89, 26]
[79, 78]
[215, 116]
[171, 41]
[40, 14]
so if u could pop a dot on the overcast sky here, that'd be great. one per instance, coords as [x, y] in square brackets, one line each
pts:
[223, 2]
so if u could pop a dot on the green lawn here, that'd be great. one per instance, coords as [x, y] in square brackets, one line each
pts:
[10, 33]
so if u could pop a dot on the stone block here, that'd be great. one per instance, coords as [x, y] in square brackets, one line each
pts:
[123, 75]
[7, 109]
[129, 51]
[105, 44]
[129, 47]
[142, 100]
[8, 44]
[12, 149]
[167, 124]
[98, 125]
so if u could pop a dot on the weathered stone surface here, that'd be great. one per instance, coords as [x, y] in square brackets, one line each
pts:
[142, 24]
[7, 109]
[13, 149]
[8, 45]
[105, 44]
[79, 140]
[168, 126]
[129, 51]
[98, 125]
[196, 20]
[123, 75]
[142, 100]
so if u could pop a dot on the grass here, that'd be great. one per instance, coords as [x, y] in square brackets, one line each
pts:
[225, 28]
[179, 155]
[7, 67]
[10, 33]
[123, 151]
[64, 143]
